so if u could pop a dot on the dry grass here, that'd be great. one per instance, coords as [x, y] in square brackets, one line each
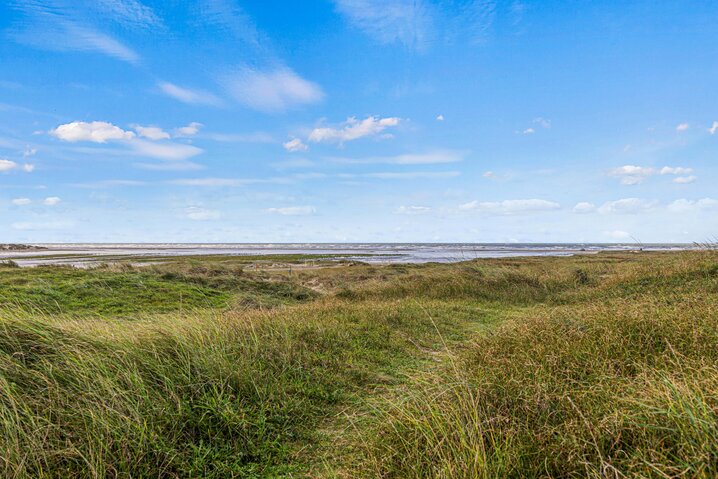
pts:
[600, 366]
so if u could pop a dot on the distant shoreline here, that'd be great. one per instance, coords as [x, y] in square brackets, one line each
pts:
[21, 247]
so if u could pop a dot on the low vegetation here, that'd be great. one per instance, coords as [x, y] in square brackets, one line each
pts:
[592, 366]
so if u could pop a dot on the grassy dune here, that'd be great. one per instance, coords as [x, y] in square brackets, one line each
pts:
[598, 366]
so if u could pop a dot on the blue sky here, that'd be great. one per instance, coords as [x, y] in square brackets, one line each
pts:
[358, 120]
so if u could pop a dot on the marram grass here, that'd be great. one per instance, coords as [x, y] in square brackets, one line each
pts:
[599, 366]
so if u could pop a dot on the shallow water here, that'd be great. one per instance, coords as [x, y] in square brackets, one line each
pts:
[87, 254]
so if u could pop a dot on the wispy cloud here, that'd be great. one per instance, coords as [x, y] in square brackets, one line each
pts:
[413, 210]
[684, 205]
[630, 206]
[538, 122]
[9, 165]
[295, 145]
[130, 13]
[42, 225]
[584, 207]
[682, 126]
[180, 165]
[271, 91]
[429, 158]
[109, 184]
[227, 16]
[21, 201]
[409, 175]
[165, 151]
[353, 129]
[713, 128]
[151, 132]
[214, 182]
[189, 130]
[255, 137]
[197, 213]
[189, 95]
[684, 180]
[51, 201]
[408, 22]
[104, 132]
[510, 207]
[633, 175]
[64, 26]
[417, 24]
[293, 210]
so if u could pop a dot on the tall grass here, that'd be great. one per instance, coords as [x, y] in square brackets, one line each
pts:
[603, 366]
[615, 386]
[204, 394]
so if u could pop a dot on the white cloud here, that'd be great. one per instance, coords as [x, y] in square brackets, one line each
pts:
[510, 207]
[542, 122]
[353, 129]
[190, 130]
[682, 127]
[164, 151]
[28, 167]
[7, 165]
[685, 179]
[584, 207]
[294, 145]
[440, 118]
[256, 137]
[96, 132]
[21, 201]
[68, 26]
[632, 170]
[293, 210]
[429, 158]
[103, 132]
[627, 206]
[410, 175]
[633, 175]
[201, 214]
[130, 13]
[51, 201]
[87, 39]
[53, 33]
[180, 165]
[684, 206]
[189, 96]
[28, 152]
[489, 174]
[678, 170]
[151, 132]
[412, 210]
[408, 22]
[213, 182]
[271, 91]
[713, 128]
[109, 184]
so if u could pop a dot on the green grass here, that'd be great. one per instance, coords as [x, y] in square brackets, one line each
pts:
[114, 290]
[596, 366]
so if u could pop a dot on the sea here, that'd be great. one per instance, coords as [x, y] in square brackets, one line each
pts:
[86, 254]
